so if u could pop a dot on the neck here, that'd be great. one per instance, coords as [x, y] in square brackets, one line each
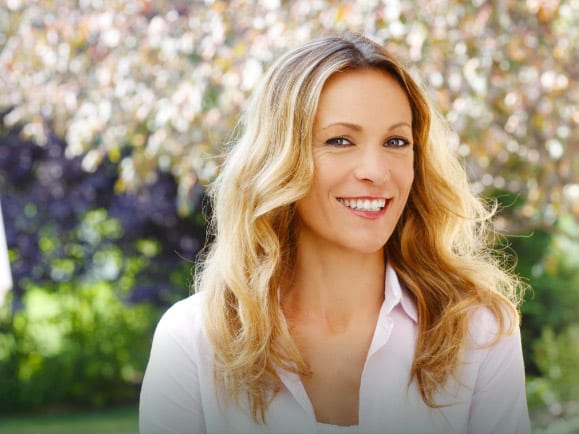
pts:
[335, 286]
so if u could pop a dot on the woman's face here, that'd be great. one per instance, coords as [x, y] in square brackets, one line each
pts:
[363, 163]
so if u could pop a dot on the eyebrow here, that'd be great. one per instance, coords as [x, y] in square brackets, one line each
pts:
[357, 127]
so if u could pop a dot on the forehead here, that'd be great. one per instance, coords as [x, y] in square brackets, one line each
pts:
[362, 95]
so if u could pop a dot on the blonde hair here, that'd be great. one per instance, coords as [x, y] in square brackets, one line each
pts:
[438, 248]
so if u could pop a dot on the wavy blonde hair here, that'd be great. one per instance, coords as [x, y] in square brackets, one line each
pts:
[439, 247]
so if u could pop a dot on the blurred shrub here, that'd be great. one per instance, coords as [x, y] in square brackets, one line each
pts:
[92, 269]
[550, 328]
[74, 344]
[557, 356]
[553, 396]
[64, 223]
[548, 259]
[550, 262]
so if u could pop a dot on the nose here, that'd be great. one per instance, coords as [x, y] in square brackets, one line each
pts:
[372, 165]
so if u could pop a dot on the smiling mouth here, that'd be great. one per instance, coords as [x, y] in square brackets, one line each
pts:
[364, 204]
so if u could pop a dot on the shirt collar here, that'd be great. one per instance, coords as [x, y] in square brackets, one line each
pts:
[395, 293]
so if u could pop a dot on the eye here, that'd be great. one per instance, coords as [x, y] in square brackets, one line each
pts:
[397, 142]
[338, 141]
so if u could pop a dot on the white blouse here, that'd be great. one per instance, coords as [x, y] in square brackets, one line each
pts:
[325, 428]
[179, 395]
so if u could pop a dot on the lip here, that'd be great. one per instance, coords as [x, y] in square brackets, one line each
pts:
[369, 215]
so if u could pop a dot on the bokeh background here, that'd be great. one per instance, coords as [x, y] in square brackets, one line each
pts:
[113, 116]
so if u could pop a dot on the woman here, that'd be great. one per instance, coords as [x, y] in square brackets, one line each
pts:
[348, 287]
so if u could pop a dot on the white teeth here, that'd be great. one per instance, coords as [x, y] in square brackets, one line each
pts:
[364, 205]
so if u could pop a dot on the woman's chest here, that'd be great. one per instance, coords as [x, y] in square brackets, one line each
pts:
[333, 384]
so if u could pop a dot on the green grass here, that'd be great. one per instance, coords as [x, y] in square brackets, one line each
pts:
[113, 421]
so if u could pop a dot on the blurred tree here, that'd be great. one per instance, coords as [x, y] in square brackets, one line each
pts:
[63, 224]
[93, 271]
[167, 80]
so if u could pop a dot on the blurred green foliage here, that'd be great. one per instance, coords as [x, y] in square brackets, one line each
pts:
[74, 343]
[551, 262]
[76, 329]
[548, 259]
[556, 355]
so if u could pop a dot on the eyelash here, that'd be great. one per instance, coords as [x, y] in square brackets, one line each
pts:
[334, 142]
[405, 142]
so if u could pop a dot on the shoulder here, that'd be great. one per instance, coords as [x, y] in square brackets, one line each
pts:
[486, 326]
[179, 363]
[494, 369]
[181, 324]
[186, 311]
[493, 359]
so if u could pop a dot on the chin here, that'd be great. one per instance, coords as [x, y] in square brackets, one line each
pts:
[368, 248]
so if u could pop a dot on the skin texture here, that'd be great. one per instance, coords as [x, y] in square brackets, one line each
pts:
[362, 149]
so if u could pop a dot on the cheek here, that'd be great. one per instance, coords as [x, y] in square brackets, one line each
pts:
[404, 175]
[408, 179]
[323, 187]
[326, 177]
